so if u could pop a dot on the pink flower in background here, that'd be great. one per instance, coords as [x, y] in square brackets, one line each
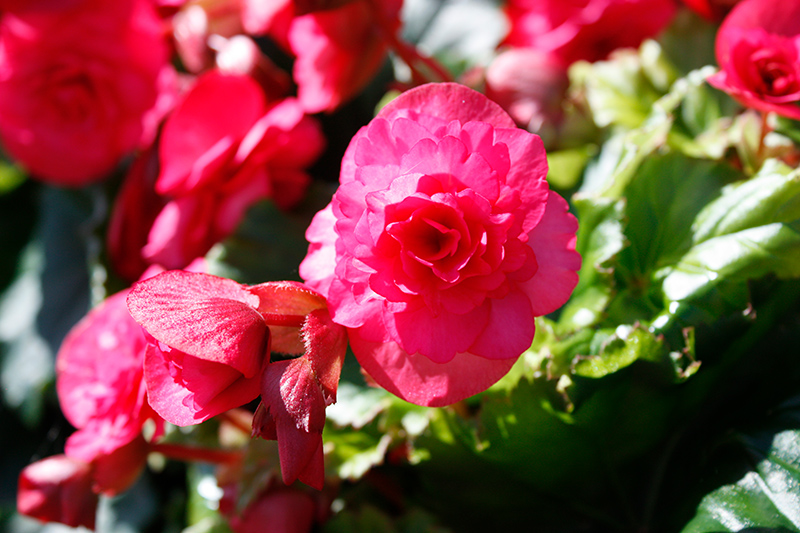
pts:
[75, 85]
[99, 371]
[223, 148]
[58, 489]
[212, 339]
[530, 85]
[442, 244]
[275, 510]
[340, 50]
[758, 51]
[585, 29]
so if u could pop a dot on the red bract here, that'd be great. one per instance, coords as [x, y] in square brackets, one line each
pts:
[223, 148]
[442, 244]
[758, 51]
[585, 29]
[101, 392]
[75, 85]
[58, 489]
[340, 50]
[213, 338]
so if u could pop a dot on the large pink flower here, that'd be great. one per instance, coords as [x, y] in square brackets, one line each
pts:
[758, 51]
[442, 244]
[76, 84]
[585, 29]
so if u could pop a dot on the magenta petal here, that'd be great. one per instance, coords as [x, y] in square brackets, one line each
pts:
[417, 379]
[438, 337]
[510, 329]
[203, 315]
[193, 390]
[553, 242]
[449, 101]
[318, 266]
[217, 106]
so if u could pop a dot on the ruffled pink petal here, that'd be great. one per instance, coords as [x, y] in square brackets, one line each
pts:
[318, 266]
[448, 101]
[203, 315]
[553, 242]
[417, 379]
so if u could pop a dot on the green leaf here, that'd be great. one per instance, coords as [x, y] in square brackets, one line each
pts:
[768, 496]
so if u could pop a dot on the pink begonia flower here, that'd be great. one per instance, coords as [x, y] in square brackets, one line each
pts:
[585, 29]
[58, 489]
[76, 84]
[223, 148]
[530, 85]
[340, 50]
[758, 51]
[211, 353]
[442, 244]
[99, 380]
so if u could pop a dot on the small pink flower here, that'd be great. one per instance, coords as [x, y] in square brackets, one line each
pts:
[758, 51]
[530, 85]
[58, 489]
[442, 244]
[101, 392]
[224, 147]
[76, 84]
[585, 29]
[212, 339]
[340, 50]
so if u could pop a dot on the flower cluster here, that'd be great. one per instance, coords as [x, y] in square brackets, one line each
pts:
[441, 248]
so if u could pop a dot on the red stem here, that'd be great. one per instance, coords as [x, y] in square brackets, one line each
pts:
[193, 453]
[409, 53]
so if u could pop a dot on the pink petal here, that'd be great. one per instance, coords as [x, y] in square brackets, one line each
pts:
[218, 106]
[318, 266]
[449, 101]
[417, 379]
[553, 242]
[205, 316]
[510, 328]
[196, 390]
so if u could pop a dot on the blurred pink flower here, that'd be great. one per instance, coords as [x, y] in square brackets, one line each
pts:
[99, 370]
[58, 489]
[75, 85]
[340, 50]
[758, 51]
[211, 353]
[530, 85]
[442, 244]
[585, 29]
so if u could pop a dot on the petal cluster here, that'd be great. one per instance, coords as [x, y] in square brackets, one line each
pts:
[442, 244]
[210, 351]
[758, 51]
